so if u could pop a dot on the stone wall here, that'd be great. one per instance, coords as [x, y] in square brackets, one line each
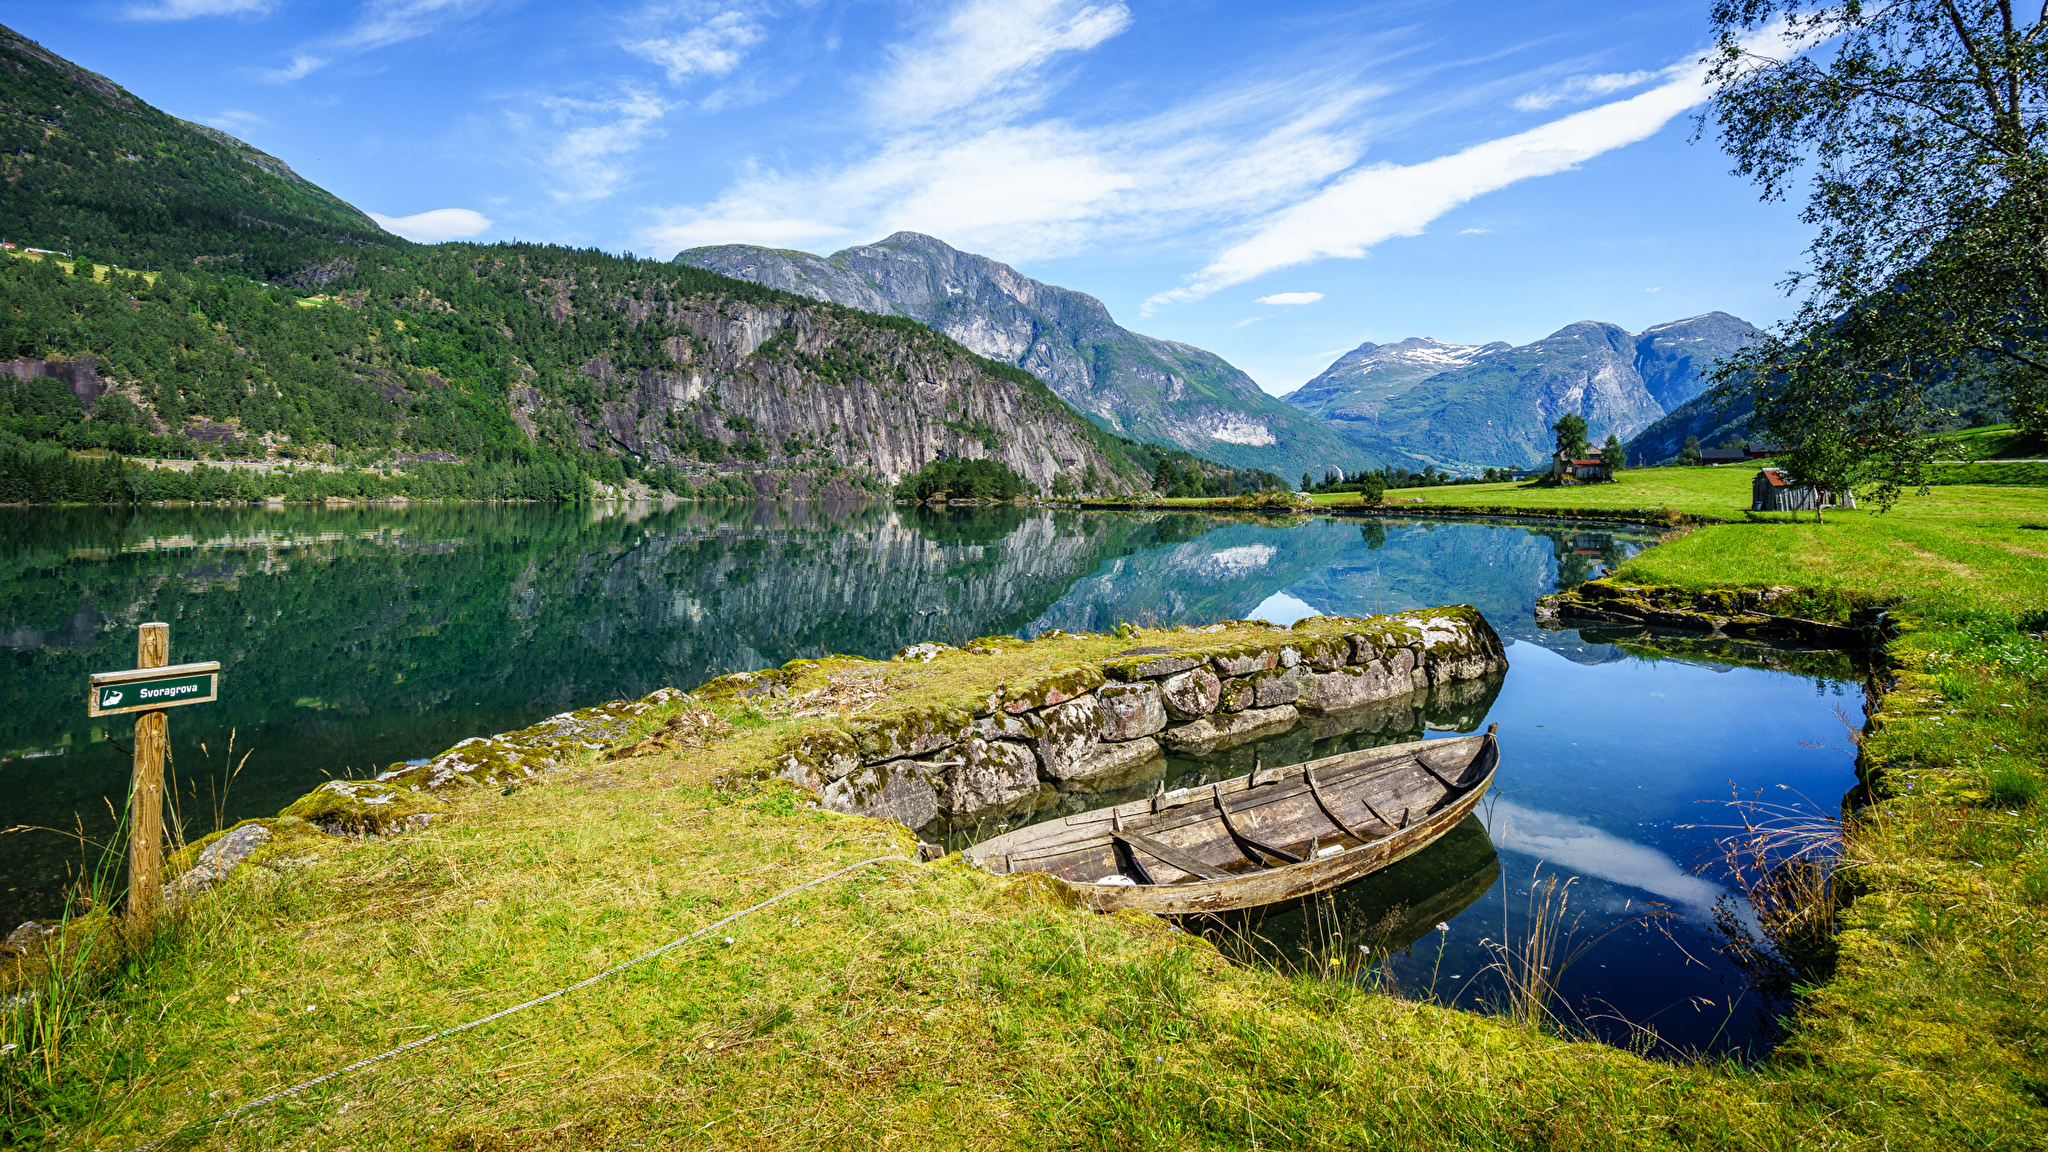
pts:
[1094, 725]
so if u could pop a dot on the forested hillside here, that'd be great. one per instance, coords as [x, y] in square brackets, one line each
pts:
[201, 300]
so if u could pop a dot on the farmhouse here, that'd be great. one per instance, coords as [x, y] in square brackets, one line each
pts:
[1771, 491]
[1581, 470]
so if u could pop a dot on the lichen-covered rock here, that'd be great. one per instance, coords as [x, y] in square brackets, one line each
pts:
[1000, 725]
[1054, 687]
[1277, 687]
[1130, 711]
[1192, 694]
[1237, 694]
[1117, 763]
[745, 686]
[1152, 665]
[1066, 736]
[1222, 730]
[362, 807]
[1245, 660]
[1340, 691]
[1324, 653]
[818, 757]
[898, 791]
[990, 774]
[218, 859]
[922, 653]
[912, 732]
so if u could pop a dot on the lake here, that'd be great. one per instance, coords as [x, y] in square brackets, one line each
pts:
[353, 638]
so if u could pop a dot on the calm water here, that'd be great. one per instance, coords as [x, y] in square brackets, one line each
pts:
[354, 638]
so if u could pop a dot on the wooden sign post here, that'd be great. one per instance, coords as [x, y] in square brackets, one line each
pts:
[153, 685]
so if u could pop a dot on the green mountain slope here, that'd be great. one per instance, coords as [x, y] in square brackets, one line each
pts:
[1133, 384]
[90, 169]
[279, 323]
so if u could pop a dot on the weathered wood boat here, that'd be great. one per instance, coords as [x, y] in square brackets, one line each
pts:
[1270, 835]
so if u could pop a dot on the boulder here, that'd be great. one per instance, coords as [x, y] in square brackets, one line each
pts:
[1223, 730]
[1116, 763]
[990, 774]
[1243, 661]
[1192, 694]
[1277, 687]
[1237, 694]
[1065, 739]
[895, 791]
[1130, 711]
[912, 732]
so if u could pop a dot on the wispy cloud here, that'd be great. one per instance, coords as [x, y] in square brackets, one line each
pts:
[1290, 298]
[987, 49]
[379, 24]
[1372, 204]
[432, 227]
[235, 120]
[588, 160]
[711, 45]
[1584, 87]
[193, 9]
[1473, 231]
[1016, 185]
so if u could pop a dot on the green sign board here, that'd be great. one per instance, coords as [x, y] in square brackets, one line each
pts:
[149, 689]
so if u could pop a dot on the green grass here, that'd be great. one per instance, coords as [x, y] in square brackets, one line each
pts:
[1960, 547]
[1994, 442]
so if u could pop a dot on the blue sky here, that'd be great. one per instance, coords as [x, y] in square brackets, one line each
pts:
[1275, 183]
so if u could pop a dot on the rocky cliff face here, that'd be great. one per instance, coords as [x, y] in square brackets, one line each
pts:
[809, 387]
[1137, 386]
[1493, 405]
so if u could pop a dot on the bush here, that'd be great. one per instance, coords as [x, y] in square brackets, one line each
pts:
[964, 480]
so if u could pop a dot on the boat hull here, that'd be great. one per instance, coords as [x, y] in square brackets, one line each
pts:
[1241, 890]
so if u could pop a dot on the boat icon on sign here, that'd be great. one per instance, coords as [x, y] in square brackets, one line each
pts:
[110, 698]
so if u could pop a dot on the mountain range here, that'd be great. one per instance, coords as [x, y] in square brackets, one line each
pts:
[200, 298]
[1134, 385]
[1464, 407]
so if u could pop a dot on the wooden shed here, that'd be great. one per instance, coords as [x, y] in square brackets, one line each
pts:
[1771, 491]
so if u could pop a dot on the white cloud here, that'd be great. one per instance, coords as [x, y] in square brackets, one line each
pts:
[588, 160]
[1248, 322]
[712, 47]
[381, 24]
[1474, 231]
[1290, 298]
[1026, 190]
[235, 120]
[1659, 288]
[1368, 205]
[435, 226]
[988, 48]
[192, 9]
[1582, 87]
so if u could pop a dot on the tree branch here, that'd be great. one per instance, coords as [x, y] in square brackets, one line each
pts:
[1984, 77]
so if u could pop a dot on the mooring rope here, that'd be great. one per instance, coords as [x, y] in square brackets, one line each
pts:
[443, 1034]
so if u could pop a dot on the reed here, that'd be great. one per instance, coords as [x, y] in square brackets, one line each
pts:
[1783, 863]
[1533, 963]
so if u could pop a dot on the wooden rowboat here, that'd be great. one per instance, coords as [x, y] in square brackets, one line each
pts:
[1261, 838]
